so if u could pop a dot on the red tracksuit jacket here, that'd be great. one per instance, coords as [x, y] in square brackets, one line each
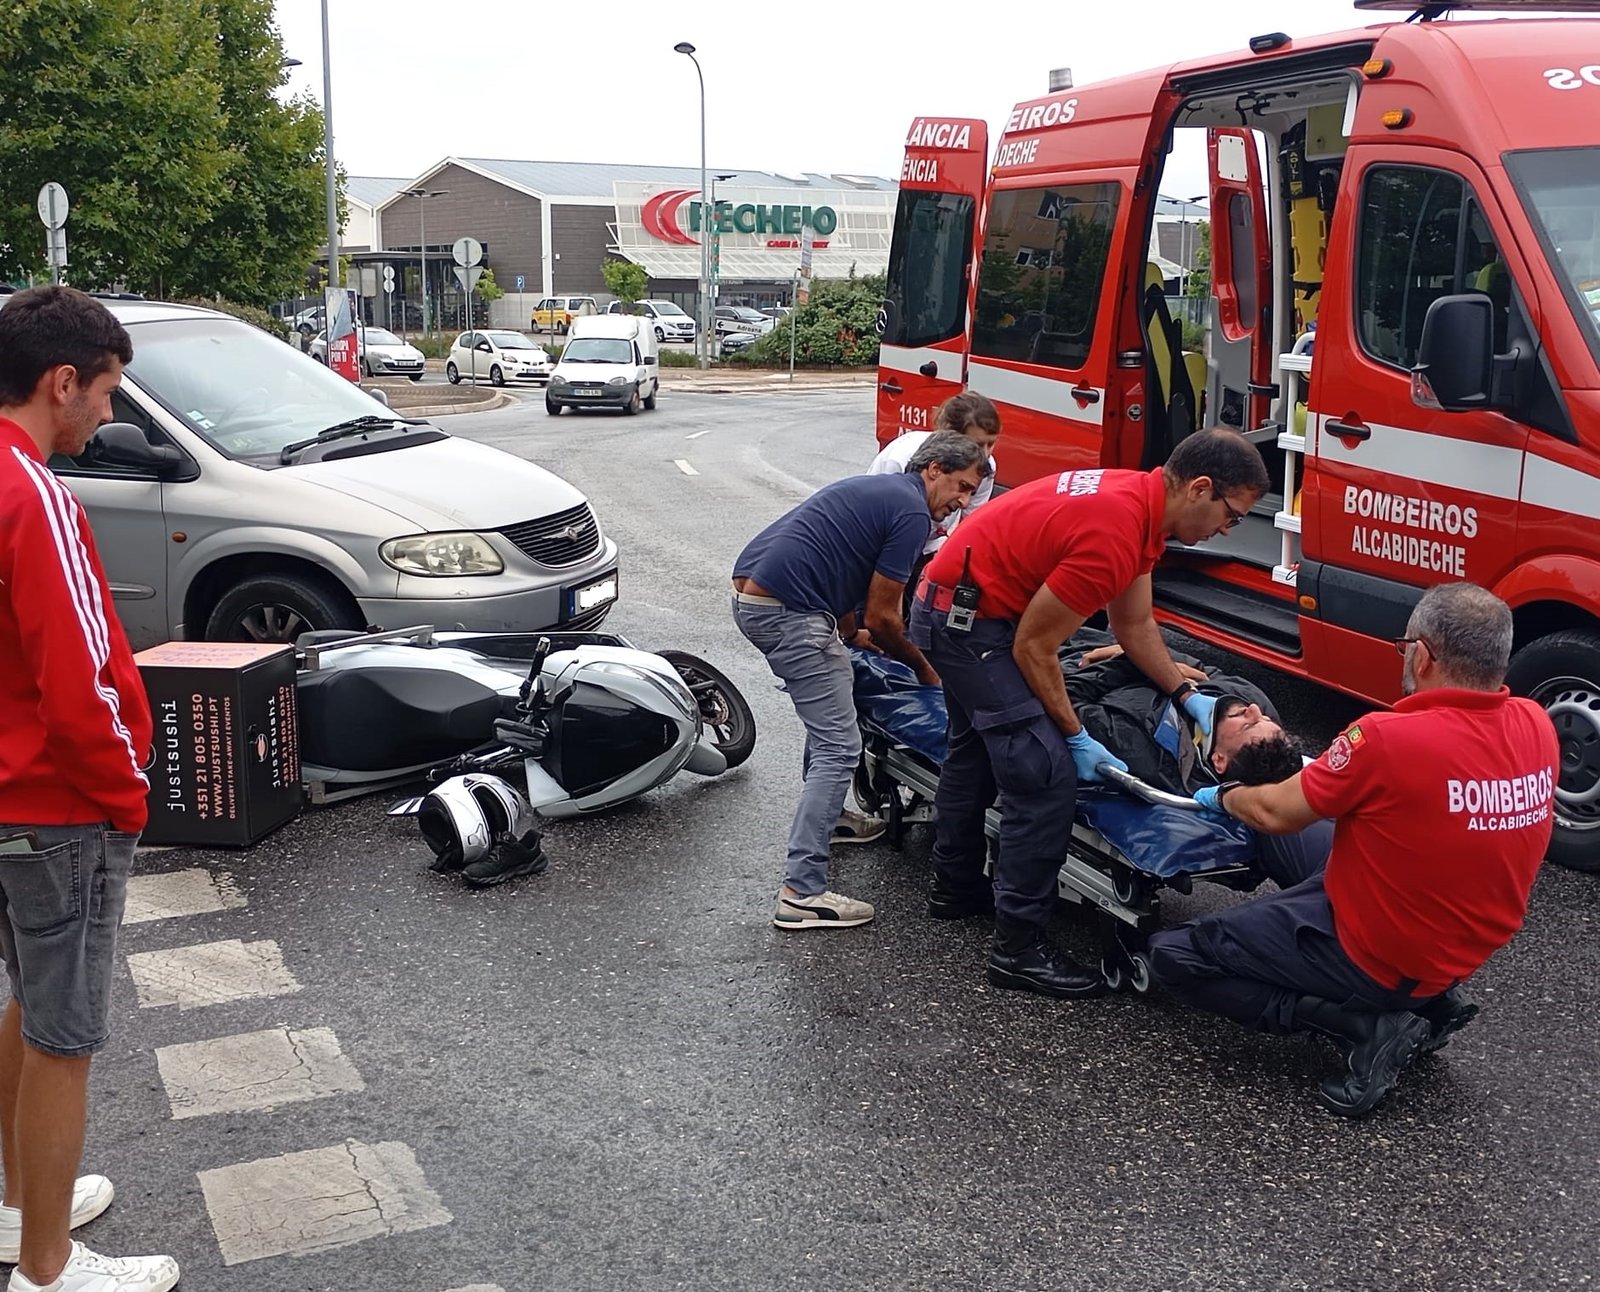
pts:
[74, 722]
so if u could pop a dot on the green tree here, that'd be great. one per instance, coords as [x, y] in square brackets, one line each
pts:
[625, 280]
[1199, 285]
[837, 325]
[119, 101]
[487, 289]
[271, 216]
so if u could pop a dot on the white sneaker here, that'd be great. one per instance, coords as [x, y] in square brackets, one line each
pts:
[88, 1271]
[823, 911]
[91, 1195]
[857, 827]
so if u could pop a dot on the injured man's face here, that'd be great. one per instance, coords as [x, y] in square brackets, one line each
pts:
[1237, 725]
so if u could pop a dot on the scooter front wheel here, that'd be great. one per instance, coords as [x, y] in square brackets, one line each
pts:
[723, 709]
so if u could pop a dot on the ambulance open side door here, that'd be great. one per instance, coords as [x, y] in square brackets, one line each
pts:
[923, 322]
[1241, 282]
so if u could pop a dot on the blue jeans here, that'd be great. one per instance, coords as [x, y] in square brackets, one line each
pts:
[805, 653]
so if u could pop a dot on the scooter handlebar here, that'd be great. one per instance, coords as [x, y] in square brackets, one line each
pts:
[1140, 789]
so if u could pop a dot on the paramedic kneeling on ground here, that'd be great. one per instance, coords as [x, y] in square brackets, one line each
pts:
[795, 589]
[1017, 580]
[1443, 812]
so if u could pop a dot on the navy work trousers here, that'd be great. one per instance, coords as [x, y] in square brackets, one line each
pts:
[1001, 743]
[1254, 961]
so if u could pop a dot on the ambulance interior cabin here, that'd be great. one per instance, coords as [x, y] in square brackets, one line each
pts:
[1289, 138]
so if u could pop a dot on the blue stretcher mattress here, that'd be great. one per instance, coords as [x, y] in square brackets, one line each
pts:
[1160, 841]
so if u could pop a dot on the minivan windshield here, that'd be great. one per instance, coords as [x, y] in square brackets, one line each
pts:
[1560, 189]
[511, 341]
[246, 392]
[598, 349]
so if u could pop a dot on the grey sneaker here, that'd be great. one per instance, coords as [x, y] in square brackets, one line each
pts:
[91, 1194]
[824, 911]
[857, 827]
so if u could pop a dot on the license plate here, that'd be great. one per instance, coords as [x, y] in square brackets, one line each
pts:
[586, 390]
[591, 595]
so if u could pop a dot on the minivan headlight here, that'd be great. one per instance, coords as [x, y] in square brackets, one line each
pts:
[617, 381]
[442, 555]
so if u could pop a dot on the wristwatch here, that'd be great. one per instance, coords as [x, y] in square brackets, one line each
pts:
[1222, 793]
[1181, 690]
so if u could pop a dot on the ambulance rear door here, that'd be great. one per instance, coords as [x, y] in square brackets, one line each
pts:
[1241, 265]
[923, 321]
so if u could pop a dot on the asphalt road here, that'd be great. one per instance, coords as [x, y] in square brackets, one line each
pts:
[619, 1075]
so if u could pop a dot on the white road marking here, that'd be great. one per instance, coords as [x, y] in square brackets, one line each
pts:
[255, 1071]
[480, 1287]
[319, 1199]
[180, 892]
[210, 974]
[685, 467]
[697, 435]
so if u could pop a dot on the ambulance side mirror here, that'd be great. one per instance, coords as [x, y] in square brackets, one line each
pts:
[1455, 361]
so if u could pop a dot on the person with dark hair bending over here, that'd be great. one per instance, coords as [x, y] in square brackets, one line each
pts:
[998, 602]
[1442, 811]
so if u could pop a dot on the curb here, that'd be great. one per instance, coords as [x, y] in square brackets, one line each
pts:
[497, 400]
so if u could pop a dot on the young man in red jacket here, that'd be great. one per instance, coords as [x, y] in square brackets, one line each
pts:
[74, 736]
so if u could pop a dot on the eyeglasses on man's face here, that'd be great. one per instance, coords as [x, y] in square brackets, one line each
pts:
[1234, 517]
[1400, 643]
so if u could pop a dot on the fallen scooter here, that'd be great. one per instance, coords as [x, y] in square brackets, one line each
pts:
[591, 720]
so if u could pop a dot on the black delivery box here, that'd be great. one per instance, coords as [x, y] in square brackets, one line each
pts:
[226, 770]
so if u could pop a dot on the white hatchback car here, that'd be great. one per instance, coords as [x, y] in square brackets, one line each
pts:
[497, 356]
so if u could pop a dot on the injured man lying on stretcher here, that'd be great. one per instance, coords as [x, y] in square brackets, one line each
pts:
[1156, 738]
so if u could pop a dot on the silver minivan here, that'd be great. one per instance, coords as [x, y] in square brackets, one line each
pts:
[245, 492]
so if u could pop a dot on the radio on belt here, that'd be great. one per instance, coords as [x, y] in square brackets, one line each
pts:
[963, 600]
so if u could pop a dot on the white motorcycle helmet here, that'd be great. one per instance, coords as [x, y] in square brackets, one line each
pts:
[463, 819]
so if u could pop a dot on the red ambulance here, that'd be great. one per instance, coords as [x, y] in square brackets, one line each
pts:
[1404, 316]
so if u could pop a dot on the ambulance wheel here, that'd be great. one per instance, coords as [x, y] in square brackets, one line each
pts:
[723, 710]
[1139, 971]
[1561, 671]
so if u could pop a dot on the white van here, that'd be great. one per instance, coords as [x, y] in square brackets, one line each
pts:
[610, 361]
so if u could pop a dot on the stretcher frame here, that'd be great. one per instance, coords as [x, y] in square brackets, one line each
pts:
[1094, 871]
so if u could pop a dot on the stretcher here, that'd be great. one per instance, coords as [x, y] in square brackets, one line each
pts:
[1128, 841]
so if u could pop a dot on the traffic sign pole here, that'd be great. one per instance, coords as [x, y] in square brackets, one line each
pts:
[53, 208]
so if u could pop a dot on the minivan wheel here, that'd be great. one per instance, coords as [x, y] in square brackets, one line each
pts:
[496, 377]
[661, 334]
[561, 329]
[452, 374]
[632, 406]
[650, 399]
[278, 608]
[551, 407]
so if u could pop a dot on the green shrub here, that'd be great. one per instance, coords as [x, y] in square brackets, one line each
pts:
[1194, 336]
[836, 327]
[677, 359]
[249, 313]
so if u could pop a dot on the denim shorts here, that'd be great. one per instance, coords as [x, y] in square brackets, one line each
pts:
[60, 909]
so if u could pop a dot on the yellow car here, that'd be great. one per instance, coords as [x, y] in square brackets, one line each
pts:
[557, 312]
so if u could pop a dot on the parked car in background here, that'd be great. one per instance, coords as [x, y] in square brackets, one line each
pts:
[667, 320]
[308, 322]
[609, 362]
[777, 313]
[558, 312]
[383, 354]
[306, 503]
[741, 318]
[733, 342]
[497, 356]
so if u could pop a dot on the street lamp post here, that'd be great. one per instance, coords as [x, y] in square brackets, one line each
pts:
[703, 347]
[327, 160]
[422, 195]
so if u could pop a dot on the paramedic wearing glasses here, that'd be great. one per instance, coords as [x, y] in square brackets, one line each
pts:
[1442, 812]
[1000, 598]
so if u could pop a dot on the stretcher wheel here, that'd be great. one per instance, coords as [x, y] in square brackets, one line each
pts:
[1112, 973]
[1139, 971]
[1129, 887]
[894, 812]
[867, 793]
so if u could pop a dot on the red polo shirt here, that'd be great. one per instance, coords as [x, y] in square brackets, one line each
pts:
[1443, 812]
[1085, 535]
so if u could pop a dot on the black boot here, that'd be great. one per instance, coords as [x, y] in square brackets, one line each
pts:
[1020, 960]
[947, 902]
[1376, 1048]
[1446, 1014]
[507, 860]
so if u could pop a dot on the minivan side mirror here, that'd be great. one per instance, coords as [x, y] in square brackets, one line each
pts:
[122, 444]
[1455, 359]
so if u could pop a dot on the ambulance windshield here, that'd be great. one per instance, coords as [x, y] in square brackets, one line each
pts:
[1560, 187]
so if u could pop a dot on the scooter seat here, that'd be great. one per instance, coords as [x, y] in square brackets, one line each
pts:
[377, 719]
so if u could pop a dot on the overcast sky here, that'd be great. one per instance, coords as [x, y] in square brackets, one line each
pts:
[827, 88]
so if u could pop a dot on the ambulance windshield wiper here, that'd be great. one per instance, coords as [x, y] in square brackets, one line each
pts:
[343, 430]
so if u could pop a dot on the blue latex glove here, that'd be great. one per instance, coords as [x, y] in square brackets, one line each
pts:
[1088, 753]
[1202, 708]
[1210, 800]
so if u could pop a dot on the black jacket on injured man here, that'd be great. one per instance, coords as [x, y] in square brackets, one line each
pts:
[1137, 722]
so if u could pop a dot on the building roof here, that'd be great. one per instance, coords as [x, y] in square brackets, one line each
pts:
[371, 190]
[557, 179]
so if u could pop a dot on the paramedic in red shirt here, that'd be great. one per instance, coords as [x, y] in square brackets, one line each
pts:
[1442, 813]
[74, 734]
[1035, 563]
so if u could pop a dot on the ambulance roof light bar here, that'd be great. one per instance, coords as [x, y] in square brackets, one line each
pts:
[1427, 10]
